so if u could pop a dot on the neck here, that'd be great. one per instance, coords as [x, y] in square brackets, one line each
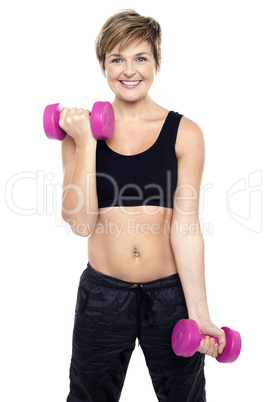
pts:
[133, 110]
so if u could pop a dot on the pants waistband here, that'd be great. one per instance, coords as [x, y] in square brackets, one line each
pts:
[144, 300]
[109, 281]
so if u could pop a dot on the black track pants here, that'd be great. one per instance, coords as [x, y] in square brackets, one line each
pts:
[110, 314]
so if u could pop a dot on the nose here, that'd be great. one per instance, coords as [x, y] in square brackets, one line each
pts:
[129, 70]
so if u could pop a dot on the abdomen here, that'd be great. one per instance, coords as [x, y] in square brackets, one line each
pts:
[133, 243]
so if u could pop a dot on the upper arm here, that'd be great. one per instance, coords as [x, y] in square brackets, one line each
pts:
[190, 152]
[68, 150]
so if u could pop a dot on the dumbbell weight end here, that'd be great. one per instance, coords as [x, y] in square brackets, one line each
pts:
[50, 122]
[102, 120]
[233, 346]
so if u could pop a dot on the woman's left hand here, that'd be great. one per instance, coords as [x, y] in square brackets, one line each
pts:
[208, 345]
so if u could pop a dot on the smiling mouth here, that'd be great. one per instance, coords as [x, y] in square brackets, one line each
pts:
[130, 83]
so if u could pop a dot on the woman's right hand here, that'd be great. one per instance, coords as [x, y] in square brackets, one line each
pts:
[76, 123]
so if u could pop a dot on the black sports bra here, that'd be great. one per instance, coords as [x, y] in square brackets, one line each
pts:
[146, 178]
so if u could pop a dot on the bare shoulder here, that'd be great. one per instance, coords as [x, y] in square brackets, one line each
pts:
[190, 138]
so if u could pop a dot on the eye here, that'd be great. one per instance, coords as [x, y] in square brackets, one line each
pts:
[116, 61]
[141, 59]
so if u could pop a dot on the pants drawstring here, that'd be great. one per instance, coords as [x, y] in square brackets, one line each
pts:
[143, 299]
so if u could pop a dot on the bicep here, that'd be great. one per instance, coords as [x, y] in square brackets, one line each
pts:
[190, 151]
[68, 150]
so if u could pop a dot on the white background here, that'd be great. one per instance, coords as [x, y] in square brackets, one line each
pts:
[214, 72]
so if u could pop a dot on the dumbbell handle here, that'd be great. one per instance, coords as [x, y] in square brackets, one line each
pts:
[201, 336]
[228, 357]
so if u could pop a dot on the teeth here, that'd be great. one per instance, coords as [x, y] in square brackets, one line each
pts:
[130, 82]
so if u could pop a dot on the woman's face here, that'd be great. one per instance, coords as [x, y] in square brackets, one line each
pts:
[130, 72]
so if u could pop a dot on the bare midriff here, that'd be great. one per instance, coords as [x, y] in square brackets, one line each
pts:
[133, 243]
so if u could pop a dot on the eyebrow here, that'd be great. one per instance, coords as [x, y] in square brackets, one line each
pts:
[136, 55]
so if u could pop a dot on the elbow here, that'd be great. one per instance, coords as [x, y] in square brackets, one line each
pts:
[79, 228]
[81, 232]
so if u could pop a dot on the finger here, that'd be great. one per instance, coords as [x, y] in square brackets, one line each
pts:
[208, 346]
[80, 115]
[85, 112]
[204, 345]
[63, 112]
[222, 342]
[80, 111]
[215, 350]
[73, 111]
[201, 346]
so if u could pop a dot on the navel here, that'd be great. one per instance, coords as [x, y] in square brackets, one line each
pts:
[136, 253]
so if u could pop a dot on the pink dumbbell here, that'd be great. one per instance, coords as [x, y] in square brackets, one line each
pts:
[102, 121]
[186, 338]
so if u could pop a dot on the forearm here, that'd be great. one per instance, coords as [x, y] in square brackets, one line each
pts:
[80, 203]
[189, 257]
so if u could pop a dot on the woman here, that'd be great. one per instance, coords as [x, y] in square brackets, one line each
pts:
[136, 196]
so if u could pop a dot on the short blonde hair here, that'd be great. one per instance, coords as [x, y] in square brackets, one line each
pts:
[123, 28]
